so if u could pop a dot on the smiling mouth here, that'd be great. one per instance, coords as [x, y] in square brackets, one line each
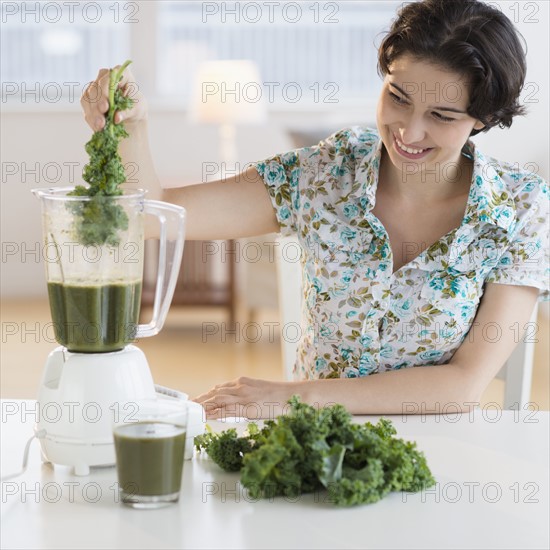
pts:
[410, 152]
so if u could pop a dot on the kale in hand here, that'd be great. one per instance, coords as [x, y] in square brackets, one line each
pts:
[98, 220]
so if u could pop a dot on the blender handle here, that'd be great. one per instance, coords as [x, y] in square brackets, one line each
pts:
[172, 237]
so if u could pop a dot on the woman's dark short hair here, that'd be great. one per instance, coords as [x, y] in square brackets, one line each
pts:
[469, 38]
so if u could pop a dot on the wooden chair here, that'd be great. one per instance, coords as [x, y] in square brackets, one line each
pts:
[516, 372]
[206, 278]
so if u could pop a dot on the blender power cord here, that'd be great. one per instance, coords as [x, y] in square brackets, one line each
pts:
[38, 435]
[162, 390]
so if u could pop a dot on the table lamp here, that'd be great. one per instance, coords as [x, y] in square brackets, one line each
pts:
[227, 93]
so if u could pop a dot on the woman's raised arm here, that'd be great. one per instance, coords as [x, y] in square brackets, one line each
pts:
[231, 208]
[226, 209]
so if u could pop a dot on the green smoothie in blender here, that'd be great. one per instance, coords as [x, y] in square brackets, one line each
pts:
[95, 319]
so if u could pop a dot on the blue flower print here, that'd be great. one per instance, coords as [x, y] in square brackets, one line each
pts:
[320, 364]
[295, 177]
[527, 188]
[337, 171]
[401, 365]
[505, 259]
[459, 287]
[347, 276]
[449, 334]
[403, 308]
[290, 158]
[502, 212]
[437, 283]
[317, 284]
[284, 213]
[482, 203]
[350, 211]
[489, 252]
[345, 353]
[355, 257]
[466, 310]
[274, 174]
[431, 354]
[366, 340]
[367, 364]
[361, 317]
[347, 234]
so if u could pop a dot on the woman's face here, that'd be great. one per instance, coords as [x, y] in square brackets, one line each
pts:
[422, 119]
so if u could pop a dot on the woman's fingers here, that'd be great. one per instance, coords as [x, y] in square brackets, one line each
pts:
[221, 406]
[222, 398]
[247, 397]
[95, 99]
[233, 387]
[214, 394]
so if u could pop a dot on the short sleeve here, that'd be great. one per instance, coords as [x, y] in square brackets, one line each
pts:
[526, 259]
[281, 175]
[300, 182]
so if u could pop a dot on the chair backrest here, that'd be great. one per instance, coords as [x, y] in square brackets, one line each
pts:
[516, 372]
[289, 283]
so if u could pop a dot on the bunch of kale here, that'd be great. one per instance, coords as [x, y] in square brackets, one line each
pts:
[98, 220]
[309, 450]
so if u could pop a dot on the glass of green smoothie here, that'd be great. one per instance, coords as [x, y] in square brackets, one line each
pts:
[149, 446]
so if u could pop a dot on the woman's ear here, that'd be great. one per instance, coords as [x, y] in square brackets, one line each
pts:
[479, 125]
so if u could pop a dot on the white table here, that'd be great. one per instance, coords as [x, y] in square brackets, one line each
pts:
[492, 492]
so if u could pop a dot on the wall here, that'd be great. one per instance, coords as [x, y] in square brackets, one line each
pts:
[47, 135]
[53, 140]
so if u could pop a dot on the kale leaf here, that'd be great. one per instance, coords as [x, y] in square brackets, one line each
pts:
[311, 449]
[226, 449]
[98, 220]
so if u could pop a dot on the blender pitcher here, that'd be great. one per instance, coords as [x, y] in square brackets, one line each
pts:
[93, 251]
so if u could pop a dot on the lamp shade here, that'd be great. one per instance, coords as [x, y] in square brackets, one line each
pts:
[228, 92]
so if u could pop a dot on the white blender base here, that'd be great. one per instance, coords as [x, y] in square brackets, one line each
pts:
[81, 393]
[78, 455]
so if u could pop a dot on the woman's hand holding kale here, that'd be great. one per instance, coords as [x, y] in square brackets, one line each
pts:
[95, 100]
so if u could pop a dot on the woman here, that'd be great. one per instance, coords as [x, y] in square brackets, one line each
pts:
[415, 243]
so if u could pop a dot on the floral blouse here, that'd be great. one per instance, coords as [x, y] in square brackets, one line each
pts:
[358, 317]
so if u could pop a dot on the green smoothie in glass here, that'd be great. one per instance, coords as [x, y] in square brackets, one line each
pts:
[150, 452]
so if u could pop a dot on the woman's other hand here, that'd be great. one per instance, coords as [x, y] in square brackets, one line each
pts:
[246, 397]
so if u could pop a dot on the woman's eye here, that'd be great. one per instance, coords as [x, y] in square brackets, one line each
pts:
[442, 118]
[397, 99]
[400, 101]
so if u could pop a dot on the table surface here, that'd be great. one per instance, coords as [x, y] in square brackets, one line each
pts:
[491, 467]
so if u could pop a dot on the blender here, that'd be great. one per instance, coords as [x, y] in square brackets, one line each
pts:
[97, 375]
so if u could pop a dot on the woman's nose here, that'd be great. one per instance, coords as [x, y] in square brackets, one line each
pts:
[412, 131]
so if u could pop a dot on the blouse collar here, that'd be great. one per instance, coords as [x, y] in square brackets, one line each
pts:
[489, 199]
